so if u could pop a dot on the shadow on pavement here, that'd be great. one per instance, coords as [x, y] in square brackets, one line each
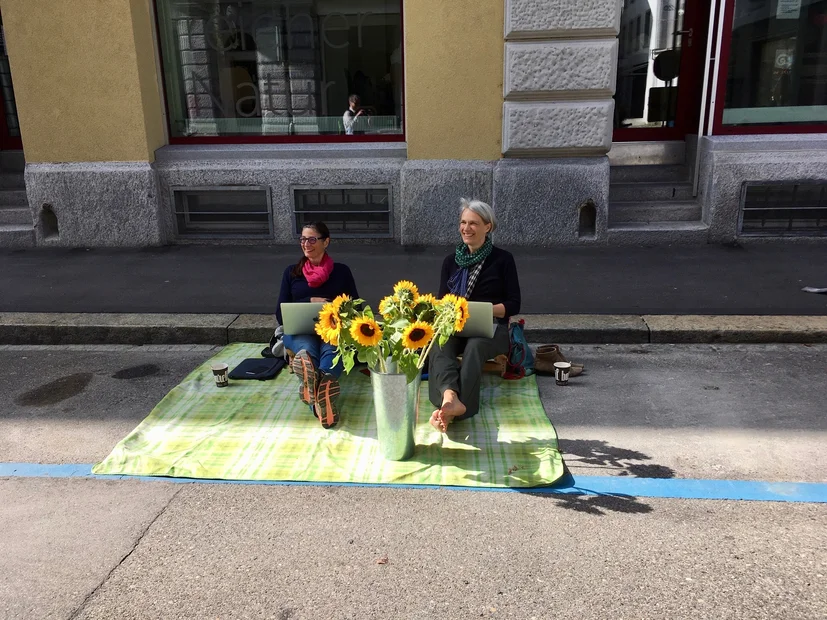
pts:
[590, 453]
[599, 505]
[587, 453]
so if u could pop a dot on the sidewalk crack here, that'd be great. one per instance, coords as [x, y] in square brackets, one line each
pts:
[227, 329]
[648, 329]
[97, 588]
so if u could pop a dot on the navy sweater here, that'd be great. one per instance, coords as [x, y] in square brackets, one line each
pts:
[296, 288]
[497, 283]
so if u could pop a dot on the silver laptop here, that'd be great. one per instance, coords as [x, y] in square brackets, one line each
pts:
[299, 319]
[480, 323]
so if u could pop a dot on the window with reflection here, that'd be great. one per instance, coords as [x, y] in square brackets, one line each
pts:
[650, 45]
[777, 69]
[282, 68]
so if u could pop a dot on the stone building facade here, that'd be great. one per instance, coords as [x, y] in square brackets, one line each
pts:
[581, 121]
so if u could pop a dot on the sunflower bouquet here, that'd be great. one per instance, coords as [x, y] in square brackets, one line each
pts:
[400, 337]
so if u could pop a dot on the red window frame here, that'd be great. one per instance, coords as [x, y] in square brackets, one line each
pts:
[302, 139]
[718, 126]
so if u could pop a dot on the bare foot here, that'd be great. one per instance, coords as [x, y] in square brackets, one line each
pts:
[452, 407]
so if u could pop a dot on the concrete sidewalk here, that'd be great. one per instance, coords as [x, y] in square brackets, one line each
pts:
[220, 329]
[101, 549]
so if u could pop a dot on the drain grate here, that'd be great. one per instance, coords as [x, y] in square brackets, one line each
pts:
[784, 209]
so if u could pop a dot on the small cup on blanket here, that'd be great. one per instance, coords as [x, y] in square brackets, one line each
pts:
[220, 373]
[561, 372]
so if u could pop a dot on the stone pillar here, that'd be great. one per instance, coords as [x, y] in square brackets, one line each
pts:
[199, 82]
[560, 72]
[272, 71]
[304, 66]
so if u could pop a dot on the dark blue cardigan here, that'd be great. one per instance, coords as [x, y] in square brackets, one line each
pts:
[296, 288]
[497, 283]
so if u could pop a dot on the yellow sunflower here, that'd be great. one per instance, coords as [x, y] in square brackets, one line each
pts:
[337, 303]
[329, 324]
[386, 306]
[461, 309]
[406, 291]
[366, 331]
[417, 335]
[426, 298]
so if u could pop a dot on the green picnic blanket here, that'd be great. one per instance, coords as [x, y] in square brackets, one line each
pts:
[260, 430]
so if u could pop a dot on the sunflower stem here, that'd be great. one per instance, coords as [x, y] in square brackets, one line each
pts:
[424, 354]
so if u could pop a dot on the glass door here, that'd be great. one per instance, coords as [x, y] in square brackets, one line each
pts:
[660, 56]
[9, 125]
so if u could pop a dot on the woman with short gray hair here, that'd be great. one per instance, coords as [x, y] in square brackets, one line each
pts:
[477, 271]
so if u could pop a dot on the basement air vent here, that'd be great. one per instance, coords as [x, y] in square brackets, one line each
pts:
[222, 212]
[362, 212]
[784, 209]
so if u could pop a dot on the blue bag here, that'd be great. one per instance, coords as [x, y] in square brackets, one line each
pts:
[520, 358]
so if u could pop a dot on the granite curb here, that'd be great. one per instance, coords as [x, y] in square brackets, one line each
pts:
[217, 329]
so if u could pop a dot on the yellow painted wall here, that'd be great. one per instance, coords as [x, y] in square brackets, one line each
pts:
[454, 78]
[85, 79]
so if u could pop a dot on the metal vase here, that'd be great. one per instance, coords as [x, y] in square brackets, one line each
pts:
[396, 403]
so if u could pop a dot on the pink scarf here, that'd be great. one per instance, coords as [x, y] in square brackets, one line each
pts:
[318, 274]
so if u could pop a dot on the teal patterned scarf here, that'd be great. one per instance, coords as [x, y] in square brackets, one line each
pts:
[463, 281]
[465, 259]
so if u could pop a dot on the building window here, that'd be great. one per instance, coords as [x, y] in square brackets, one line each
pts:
[638, 38]
[348, 211]
[784, 209]
[222, 211]
[648, 30]
[777, 71]
[282, 70]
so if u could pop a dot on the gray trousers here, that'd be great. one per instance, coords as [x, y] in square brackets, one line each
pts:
[446, 373]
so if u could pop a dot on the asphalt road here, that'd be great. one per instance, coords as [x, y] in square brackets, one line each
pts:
[758, 278]
[80, 548]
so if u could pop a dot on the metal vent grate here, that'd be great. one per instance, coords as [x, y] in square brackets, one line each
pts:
[784, 209]
[222, 212]
[350, 211]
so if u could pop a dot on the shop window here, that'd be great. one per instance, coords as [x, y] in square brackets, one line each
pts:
[777, 71]
[282, 70]
[348, 211]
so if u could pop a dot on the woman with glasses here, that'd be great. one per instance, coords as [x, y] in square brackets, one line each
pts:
[316, 278]
[477, 271]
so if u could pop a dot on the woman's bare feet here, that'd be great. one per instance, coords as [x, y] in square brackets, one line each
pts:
[452, 407]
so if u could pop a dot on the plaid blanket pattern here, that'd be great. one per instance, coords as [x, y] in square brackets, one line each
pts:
[259, 430]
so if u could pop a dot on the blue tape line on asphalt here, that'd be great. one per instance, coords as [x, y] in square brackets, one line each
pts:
[673, 488]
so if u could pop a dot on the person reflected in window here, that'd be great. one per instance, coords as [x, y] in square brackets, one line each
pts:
[352, 114]
[315, 278]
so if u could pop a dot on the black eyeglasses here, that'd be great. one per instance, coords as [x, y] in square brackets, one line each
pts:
[309, 240]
